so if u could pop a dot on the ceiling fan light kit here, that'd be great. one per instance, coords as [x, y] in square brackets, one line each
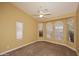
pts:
[41, 16]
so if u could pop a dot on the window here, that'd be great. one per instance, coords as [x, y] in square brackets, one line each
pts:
[19, 30]
[59, 30]
[70, 25]
[49, 30]
[40, 29]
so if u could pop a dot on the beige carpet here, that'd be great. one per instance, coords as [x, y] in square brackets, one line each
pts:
[42, 48]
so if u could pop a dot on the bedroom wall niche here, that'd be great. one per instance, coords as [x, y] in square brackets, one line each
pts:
[60, 31]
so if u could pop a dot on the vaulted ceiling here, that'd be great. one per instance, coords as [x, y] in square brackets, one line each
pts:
[54, 9]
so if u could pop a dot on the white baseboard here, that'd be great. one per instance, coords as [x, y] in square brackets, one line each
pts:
[2, 53]
[61, 44]
[34, 42]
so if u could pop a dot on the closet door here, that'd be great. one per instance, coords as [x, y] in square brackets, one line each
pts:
[70, 28]
[59, 30]
[49, 30]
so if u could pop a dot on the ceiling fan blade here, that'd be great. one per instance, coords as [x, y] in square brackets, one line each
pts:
[47, 14]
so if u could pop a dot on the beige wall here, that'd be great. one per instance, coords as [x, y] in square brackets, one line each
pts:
[77, 41]
[9, 14]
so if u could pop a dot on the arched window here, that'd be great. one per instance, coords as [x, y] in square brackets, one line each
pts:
[59, 30]
[49, 30]
[70, 25]
[40, 29]
[19, 30]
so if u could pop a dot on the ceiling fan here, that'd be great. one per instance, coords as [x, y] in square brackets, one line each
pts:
[44, 13]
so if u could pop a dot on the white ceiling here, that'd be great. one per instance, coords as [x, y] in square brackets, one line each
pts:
[55, 8]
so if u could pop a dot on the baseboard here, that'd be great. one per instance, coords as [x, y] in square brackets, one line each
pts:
[77, 53]
[2, 53]
[61, 44]
[34, 42]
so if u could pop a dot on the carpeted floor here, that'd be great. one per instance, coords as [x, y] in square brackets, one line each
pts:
[42, 48]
